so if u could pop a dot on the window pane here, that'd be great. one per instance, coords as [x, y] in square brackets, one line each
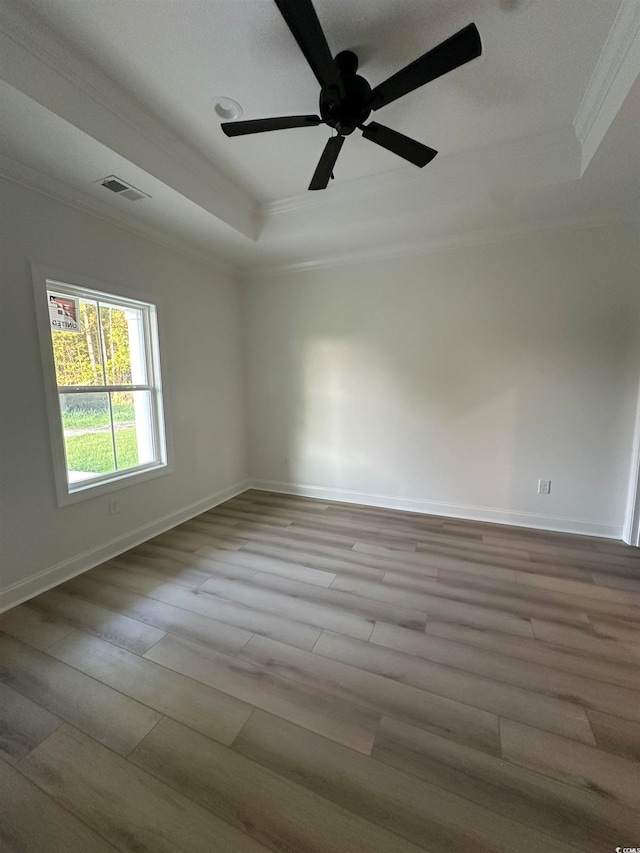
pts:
[123, 338]
[86, 423]
[132, 422]
[77, 355]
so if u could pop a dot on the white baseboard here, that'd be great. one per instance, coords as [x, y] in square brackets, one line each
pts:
[48, 578]
[536, 521]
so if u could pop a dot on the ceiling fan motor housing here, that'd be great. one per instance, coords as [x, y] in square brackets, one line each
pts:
[347, 109]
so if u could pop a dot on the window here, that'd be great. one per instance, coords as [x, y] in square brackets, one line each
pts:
[101, 353]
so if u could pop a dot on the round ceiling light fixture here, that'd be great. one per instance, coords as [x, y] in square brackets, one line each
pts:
[227, 109]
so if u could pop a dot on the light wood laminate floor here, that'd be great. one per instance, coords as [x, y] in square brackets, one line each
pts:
[285, 674]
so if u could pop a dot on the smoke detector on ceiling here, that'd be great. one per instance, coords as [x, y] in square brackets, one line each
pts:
[122, 188]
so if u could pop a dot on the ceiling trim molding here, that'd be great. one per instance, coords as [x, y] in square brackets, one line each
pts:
[613, 76]
[445, 243]
[40, 182]
[32, 51]
[557, 146]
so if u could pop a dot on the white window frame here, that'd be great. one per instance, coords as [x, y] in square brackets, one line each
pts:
[46, 278]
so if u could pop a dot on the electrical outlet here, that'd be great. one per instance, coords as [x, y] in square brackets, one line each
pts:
[114, 507]
[544, 487]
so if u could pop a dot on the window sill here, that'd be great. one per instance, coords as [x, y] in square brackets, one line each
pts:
[80, 491]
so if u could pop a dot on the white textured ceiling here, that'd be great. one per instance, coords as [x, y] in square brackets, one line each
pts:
[127, 87]
[175, 56]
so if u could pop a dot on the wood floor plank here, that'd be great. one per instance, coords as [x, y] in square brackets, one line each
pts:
[108, 716]
[613, 629]
[303, 504]
[380, 695]
[544, 564]
[288, 630]
[31, 626]
[128, 807]
[422, 522]
[23, 724]
[341, 534]
[259, 563]
[209, 515]
[290, 605]
[574, 569]
[250, 797]
[614, 734]
[87, 616]
[340, 602]
[571, 762]
[585, 640]
[246, 527]
[197, 705]
[600, 608]
[420, 811]
[466, 560]
[380, 526]
[563, 686]
[326, 557]
[544, 544]
[627, 553]
[590, 590]
[615, 582]
[585, 818]
[377, 549]
[473, 547]
[436, 556]
[175, 554]
[424, 563]
[32, 822]
[226, 638]
[626, 673]
[246, 515]
[200, 525]
[515, 702]
[342, 721]
[525, 593]
[503, 596]
[186, 540]
[397, 537]
[436, 607]
[369, 608]
[186, 575]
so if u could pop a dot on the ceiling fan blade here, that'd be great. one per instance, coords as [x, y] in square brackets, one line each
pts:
[260, 125]
[301, 18]
[324, 168]
[398, 143]
[462, 47]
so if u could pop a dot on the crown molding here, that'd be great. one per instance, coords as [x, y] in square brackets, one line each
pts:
[482, 237]
[51, 71]
[547, 157]
[40, 182]
[614, 74]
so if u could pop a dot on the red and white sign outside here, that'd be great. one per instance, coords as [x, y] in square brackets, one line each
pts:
[63, 312]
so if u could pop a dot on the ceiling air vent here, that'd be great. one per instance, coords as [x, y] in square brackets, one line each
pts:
[118, 186]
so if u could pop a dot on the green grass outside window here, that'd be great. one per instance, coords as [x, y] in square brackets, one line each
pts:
[93, 451]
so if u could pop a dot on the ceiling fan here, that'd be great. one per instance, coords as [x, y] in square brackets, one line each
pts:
[347, 99]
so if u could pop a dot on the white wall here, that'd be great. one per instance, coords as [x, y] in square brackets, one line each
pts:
[450, 382]
[200, 338]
